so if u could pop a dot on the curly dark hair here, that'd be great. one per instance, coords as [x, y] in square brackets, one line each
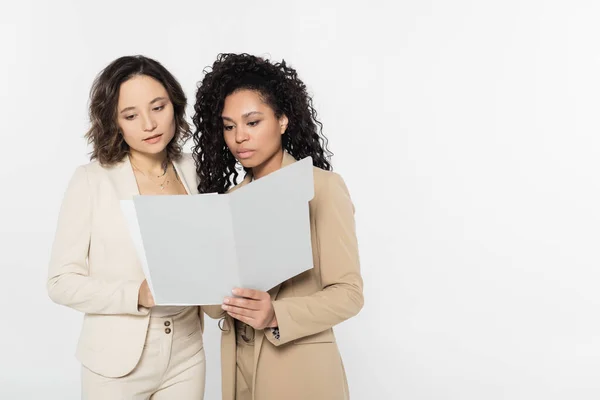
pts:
[280, 88]
[109, 147]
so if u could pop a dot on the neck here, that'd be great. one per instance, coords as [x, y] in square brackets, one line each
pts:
[151, 163]
[270, 165]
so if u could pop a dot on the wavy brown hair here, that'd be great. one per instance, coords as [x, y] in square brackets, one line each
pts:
[109, 147]
[280, 88]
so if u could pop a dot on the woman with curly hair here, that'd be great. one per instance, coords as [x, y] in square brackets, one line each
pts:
[278, 344]
[129, 348]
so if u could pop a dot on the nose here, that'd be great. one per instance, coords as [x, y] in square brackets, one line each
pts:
[149, 124]
[241, 135]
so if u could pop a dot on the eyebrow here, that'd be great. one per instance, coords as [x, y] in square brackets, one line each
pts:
[243, 116]
[152, 102]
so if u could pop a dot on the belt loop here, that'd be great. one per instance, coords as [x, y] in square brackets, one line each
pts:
[222, 322]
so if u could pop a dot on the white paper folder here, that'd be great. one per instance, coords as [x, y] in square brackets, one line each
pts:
[195, 249]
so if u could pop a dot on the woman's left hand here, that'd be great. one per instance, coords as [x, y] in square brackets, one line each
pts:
[253, 307]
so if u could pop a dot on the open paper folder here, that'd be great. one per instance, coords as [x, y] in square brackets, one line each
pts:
[195, 249]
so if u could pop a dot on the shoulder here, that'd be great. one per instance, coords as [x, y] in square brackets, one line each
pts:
[236, 187]
[328, 183]
[186, 159]
[323, 177]
[186, 163]
[95, 167]
[95, 172]
[88, 171]
[84, 177]
[187, 166]
[331, 193]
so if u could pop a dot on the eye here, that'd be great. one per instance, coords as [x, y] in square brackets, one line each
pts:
[228, 127]
[253, 123]
[130, 117]
[159, 108]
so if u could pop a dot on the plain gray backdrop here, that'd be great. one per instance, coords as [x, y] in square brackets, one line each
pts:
[467, 133]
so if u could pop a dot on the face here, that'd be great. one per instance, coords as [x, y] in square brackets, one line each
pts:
[251, 130]
[145, 115]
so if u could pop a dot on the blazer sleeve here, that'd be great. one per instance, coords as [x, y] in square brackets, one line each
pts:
[69, 281]
[341, 296]
[214, 311]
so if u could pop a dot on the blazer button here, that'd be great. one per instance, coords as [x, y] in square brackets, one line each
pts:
[167, 323]
[168, 330]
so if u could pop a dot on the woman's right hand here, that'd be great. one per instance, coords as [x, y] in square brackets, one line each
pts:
[145, 298]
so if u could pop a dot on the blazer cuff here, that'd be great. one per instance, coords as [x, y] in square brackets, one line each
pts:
[281, 334]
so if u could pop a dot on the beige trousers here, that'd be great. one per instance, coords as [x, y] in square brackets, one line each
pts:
[172, 365]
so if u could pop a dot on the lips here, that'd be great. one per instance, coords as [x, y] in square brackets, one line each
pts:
[153, 137]
[245, 153]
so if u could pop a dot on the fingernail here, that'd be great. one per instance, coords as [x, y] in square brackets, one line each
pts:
[224, 307]
[235, 291]
[226, 300]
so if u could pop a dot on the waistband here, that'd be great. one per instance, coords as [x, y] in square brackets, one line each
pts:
[187, 315]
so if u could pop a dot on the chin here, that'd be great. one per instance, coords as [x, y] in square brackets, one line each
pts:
[150, 150]
[155, 150]
[248, 163]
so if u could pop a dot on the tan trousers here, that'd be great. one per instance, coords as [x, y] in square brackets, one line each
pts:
[172, 365]
[245, 361]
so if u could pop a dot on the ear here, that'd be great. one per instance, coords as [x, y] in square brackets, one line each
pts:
[283, 123]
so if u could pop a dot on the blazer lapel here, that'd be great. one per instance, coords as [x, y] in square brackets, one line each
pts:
[260, 335]
[123, 180]
[187, 175]
[287, 159]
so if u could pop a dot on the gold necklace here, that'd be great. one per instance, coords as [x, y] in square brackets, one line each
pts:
[162, 184]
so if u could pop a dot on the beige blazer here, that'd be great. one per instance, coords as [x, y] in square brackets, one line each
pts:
[94, 267]
[304, 363]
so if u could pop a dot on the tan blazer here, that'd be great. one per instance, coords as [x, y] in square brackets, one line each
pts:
[94, 267]
[305, 362]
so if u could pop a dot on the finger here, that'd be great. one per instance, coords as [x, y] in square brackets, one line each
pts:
[242, 318]
[250, 293]
[241, 311]
[248, 304]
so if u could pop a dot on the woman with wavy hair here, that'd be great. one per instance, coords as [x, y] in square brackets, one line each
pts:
[129, 348]
[278, 344]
